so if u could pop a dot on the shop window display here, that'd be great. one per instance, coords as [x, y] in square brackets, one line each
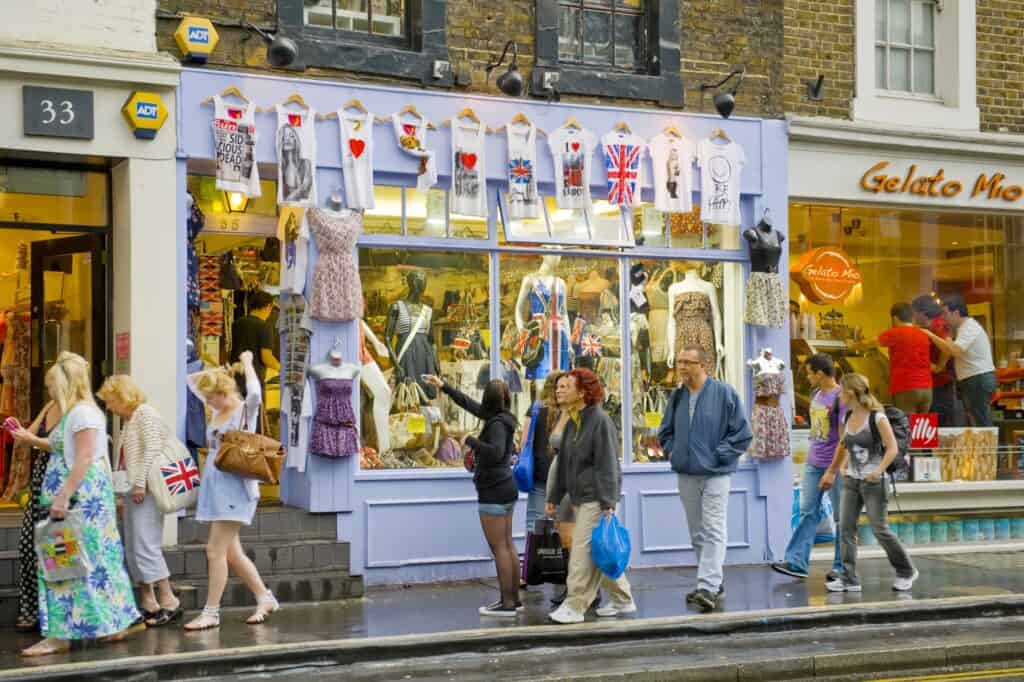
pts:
[407, 210]
[673, 304]
[558, 313]
[426, 313]
[601, 224]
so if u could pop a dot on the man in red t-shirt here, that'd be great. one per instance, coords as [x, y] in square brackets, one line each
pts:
[928, 315]
[910, 365]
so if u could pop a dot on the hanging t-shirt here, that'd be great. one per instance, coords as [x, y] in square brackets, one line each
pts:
[296, 157]
[293, 232]
[672, 158]
[234, 137]
[357, 158]
[622, 153]
[300, 409]
[468, 195]
[571, 149]
[412, 138]
[721, 166]
[523, 197]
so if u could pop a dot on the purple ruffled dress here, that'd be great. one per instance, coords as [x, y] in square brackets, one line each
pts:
[334, 424]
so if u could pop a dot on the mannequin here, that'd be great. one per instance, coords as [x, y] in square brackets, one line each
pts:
[408, 336]
[540, 292]
[639, 307]
[766, 294]
[768, 419]
[375, 383]
[335, 431]
[335, 202]
[694, 317]
[589, 293]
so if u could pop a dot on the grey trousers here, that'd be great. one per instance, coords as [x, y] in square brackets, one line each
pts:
[706, 502]
[143, 541]
[853, 495]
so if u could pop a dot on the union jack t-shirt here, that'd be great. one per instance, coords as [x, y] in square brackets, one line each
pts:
[622, 154]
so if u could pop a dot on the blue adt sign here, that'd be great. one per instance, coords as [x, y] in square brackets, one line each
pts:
[147, 110]
[199, 34]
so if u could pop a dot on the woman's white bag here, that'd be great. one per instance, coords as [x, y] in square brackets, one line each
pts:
[173, 479]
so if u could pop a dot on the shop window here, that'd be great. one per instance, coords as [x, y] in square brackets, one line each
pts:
[386, 216]
[397, 38]
[674, 304]
[905, 46]
[609, 48]
[406, 210]
[601, 225]
[406, 428]
[52, 196]
[681, 230]
[571, 298]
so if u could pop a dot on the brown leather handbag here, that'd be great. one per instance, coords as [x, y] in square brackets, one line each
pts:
[250, 455]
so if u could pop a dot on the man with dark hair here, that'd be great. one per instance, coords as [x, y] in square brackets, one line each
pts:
[910, 365]
[254, 334]
[971, 351]
[826, 415]
[928, 315]
[704, 431]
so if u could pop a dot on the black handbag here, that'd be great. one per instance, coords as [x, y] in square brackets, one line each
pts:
[546, 560]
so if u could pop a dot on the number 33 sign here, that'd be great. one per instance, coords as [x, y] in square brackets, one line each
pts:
[58, 112]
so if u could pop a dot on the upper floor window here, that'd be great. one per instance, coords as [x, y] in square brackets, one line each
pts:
[905, 46]
[378, 18]
[604, 33]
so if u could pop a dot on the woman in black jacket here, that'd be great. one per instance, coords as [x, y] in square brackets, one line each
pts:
[495, 487]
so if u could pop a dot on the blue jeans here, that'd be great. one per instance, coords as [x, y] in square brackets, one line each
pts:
[976, 392]
[535, 504]
[798, 552]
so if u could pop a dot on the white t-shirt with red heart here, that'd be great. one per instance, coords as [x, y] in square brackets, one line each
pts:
[468, 194]
[357, 158]
[572, 150]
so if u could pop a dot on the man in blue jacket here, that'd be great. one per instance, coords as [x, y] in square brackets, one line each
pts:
[704, 430]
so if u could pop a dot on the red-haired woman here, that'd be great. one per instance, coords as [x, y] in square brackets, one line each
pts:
[589, 471]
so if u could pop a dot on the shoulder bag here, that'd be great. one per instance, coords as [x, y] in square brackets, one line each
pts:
[173, 478]
[250, 455]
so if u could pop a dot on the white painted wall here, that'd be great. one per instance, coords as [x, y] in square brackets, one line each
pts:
[108, 24]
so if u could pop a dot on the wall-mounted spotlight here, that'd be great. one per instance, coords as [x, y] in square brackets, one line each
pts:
[816, 89]
[510, 82]
[724, 101]
[281, 51]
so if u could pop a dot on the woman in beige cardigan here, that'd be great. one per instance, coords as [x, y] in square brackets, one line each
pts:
[143, 435]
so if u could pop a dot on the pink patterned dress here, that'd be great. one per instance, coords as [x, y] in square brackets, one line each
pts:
[771, 432]
[337, 291]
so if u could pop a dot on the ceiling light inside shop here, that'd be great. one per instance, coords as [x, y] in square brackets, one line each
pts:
[236, 202]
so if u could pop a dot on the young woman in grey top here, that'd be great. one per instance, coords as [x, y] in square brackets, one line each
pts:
[863, 459]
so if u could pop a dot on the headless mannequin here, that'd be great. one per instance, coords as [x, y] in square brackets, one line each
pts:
[334, 368]
[545, 275]
[417, 283]
[335, 202]
[692, 282]
[639, 308]
[765, 246]
[373, 379]
[766, 363]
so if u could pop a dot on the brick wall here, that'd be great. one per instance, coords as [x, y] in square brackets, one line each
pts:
[1001, 65]
[819, 40]
[110, 24]
[716, 35]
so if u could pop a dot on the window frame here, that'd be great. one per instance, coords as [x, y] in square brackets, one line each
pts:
[659, 79]
[411, 57]
[404, 40]
[626, 239]
[613, 11]
[911, 48]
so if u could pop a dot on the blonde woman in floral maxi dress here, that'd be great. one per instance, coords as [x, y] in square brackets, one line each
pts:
[102, 604]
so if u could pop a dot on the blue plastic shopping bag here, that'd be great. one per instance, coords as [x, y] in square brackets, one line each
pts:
[610, 547]
[523, 470]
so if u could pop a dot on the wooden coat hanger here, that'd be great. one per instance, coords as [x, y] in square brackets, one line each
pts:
[719, 133]
[672, 131]
[294, 98]
[228, 92]
[351, 104]
[411, 110]
[571, 122]
[519, 118]
[623, 127]
[466, 113]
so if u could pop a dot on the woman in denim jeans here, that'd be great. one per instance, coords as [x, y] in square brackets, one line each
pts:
[867, 446]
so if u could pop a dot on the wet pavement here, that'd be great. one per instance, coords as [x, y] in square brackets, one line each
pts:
[440, 608]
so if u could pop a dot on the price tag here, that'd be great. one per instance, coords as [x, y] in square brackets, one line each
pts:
[652, 420]
[417, 423]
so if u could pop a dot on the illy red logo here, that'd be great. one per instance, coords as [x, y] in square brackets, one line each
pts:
[924, 431]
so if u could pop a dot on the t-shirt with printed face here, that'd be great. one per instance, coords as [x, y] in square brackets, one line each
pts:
[827, 413]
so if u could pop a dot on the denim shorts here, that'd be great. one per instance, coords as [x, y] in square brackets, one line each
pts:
[497, 509]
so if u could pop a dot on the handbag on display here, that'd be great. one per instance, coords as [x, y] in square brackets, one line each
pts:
[60, 548]
[173, 478]
[409, 425]
[250, 455]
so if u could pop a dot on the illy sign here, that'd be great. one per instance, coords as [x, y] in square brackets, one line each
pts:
[924, 431]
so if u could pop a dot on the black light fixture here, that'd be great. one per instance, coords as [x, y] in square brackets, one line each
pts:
[510, 82]
[724, 101]
[816, 89]
[281, 51]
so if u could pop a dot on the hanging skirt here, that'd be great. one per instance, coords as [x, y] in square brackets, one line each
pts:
[767, 304]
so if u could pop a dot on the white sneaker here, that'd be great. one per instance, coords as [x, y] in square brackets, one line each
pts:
[566, 615]
[905, 584]
[838, 585]
[613, 609]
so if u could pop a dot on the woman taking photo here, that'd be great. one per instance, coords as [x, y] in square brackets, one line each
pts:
[28, 565]
[143, 437]
[100, 605]
[227, 501]
[589, 471]
[495, 487]
[867, 446]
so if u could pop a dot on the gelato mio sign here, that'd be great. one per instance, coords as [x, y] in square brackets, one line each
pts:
[881, 179]
[826, 275]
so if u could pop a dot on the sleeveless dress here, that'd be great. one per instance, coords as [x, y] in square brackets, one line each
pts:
[694, 325]
[771, 430]
[337, 289]
[419, 357]
[334, 424]
[658, 317]
[541, 307]
[103, 602]
[28, 565]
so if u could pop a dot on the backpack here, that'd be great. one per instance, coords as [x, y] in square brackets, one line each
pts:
[900, 424]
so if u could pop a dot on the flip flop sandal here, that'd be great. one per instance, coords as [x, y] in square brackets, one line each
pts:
[51, 649]
[26, 626]
[163, 617]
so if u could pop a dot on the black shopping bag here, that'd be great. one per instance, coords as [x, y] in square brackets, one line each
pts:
[546, 560]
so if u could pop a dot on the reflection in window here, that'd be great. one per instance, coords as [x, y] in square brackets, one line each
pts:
[427, 313]
[602, 33]
[560, 312]
[602, 224]
[386, 216]
[905, 45]
[425, 212]
[384, 18]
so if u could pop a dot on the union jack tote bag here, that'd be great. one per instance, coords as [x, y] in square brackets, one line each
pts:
[174, 476]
